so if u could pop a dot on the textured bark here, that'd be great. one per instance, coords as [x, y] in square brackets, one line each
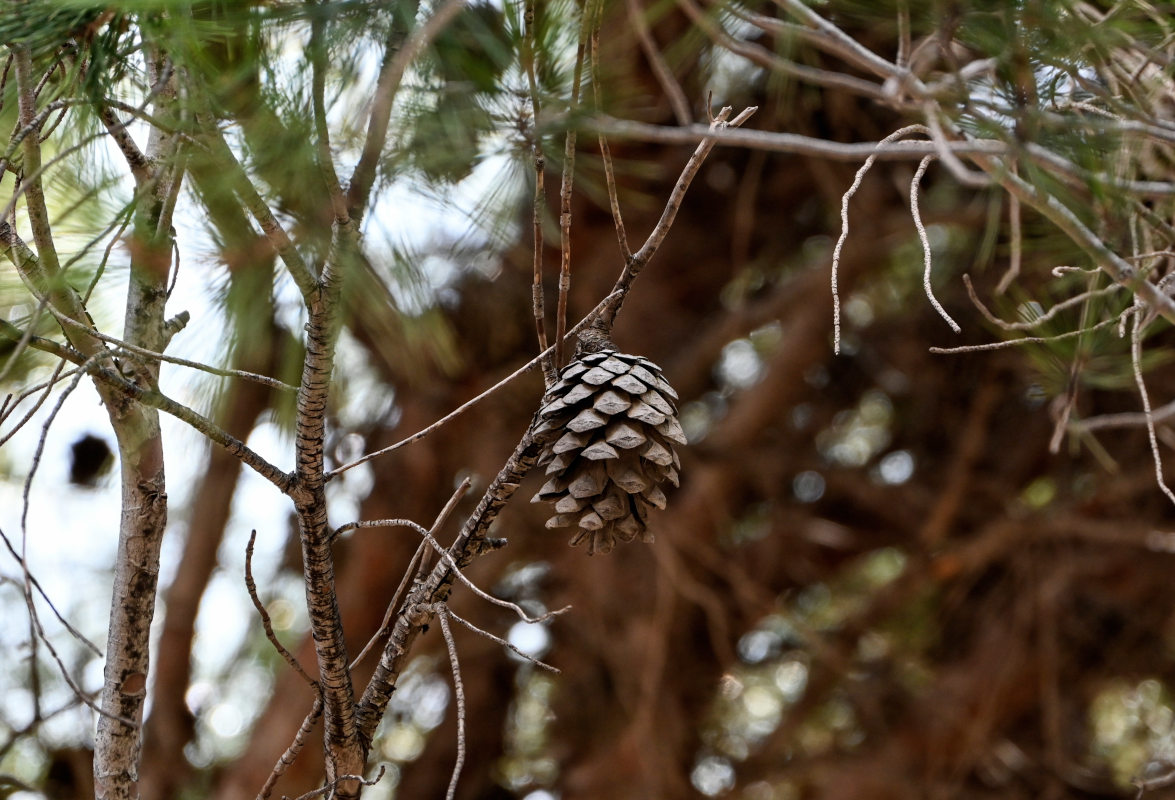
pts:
[419, 607]
[344, 755]
[136, 428]
[170, 726]
[144, 499]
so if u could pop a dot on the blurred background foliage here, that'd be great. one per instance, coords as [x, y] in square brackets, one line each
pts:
[877, 579]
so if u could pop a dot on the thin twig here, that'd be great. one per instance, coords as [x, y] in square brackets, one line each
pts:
[527, 367]
[46, 389]
[136, 161]
[459, 693]
[1136, 365]
[26, 338]
[398, 596]
[22, 559]
[539, 202]
[31, 581]
[661, 70]
[332, 785]
[1130, 419]
[19, 254]
[448, 557]
[634, 264]
[1015, 242]
[965, 176]
[266, 622]
[567, 183]
[1064, 218]
[1004, 345]
[291, 753]
[792, 143]
[162, 402]
[844, 223]
[606, 152]
[922, 237]
[52, 607]
[1036, 322]
[720, 122]
[499, 640]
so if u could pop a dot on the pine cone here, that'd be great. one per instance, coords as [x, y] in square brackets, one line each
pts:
[607, 427]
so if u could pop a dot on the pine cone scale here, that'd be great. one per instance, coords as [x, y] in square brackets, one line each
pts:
[607, 428]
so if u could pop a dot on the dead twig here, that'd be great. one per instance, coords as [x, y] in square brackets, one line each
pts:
[844, 222]
[330, 787]
[539, 203]
[394, 603]
[634, 264]
[979, 348]
[527, 367]
[1139, 381]
[442, 612]
[499, 640]
[925, 241]
[1036, 321]
[266, 622]
[291, 753]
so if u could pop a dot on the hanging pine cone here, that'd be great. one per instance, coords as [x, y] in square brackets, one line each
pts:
[607, 426]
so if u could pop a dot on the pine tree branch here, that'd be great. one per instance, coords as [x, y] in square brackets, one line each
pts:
[31, 168]
[421, 602]
[792, 143]
[641, 257]
[309, 496]
[398, 56]
[280, 240]
[117, 747]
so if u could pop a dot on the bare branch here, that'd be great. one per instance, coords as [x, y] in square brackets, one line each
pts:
[844, 223]
[266, 622]
[926, 259]
[448, 557]
[291, 753]
[633, 266]
[1060, 215]
[330, 788]
[788, 142]
[1125, 420]
[1004, 345]
[1036, 322]
[539, 202]
[139, 165]
[1015, 243]
[410, 572]
[397, 57]
[435, 588]
[527, 367]
[568, 182]
[459, 693]
[499, 640]
[661, 70]
[606, 153]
